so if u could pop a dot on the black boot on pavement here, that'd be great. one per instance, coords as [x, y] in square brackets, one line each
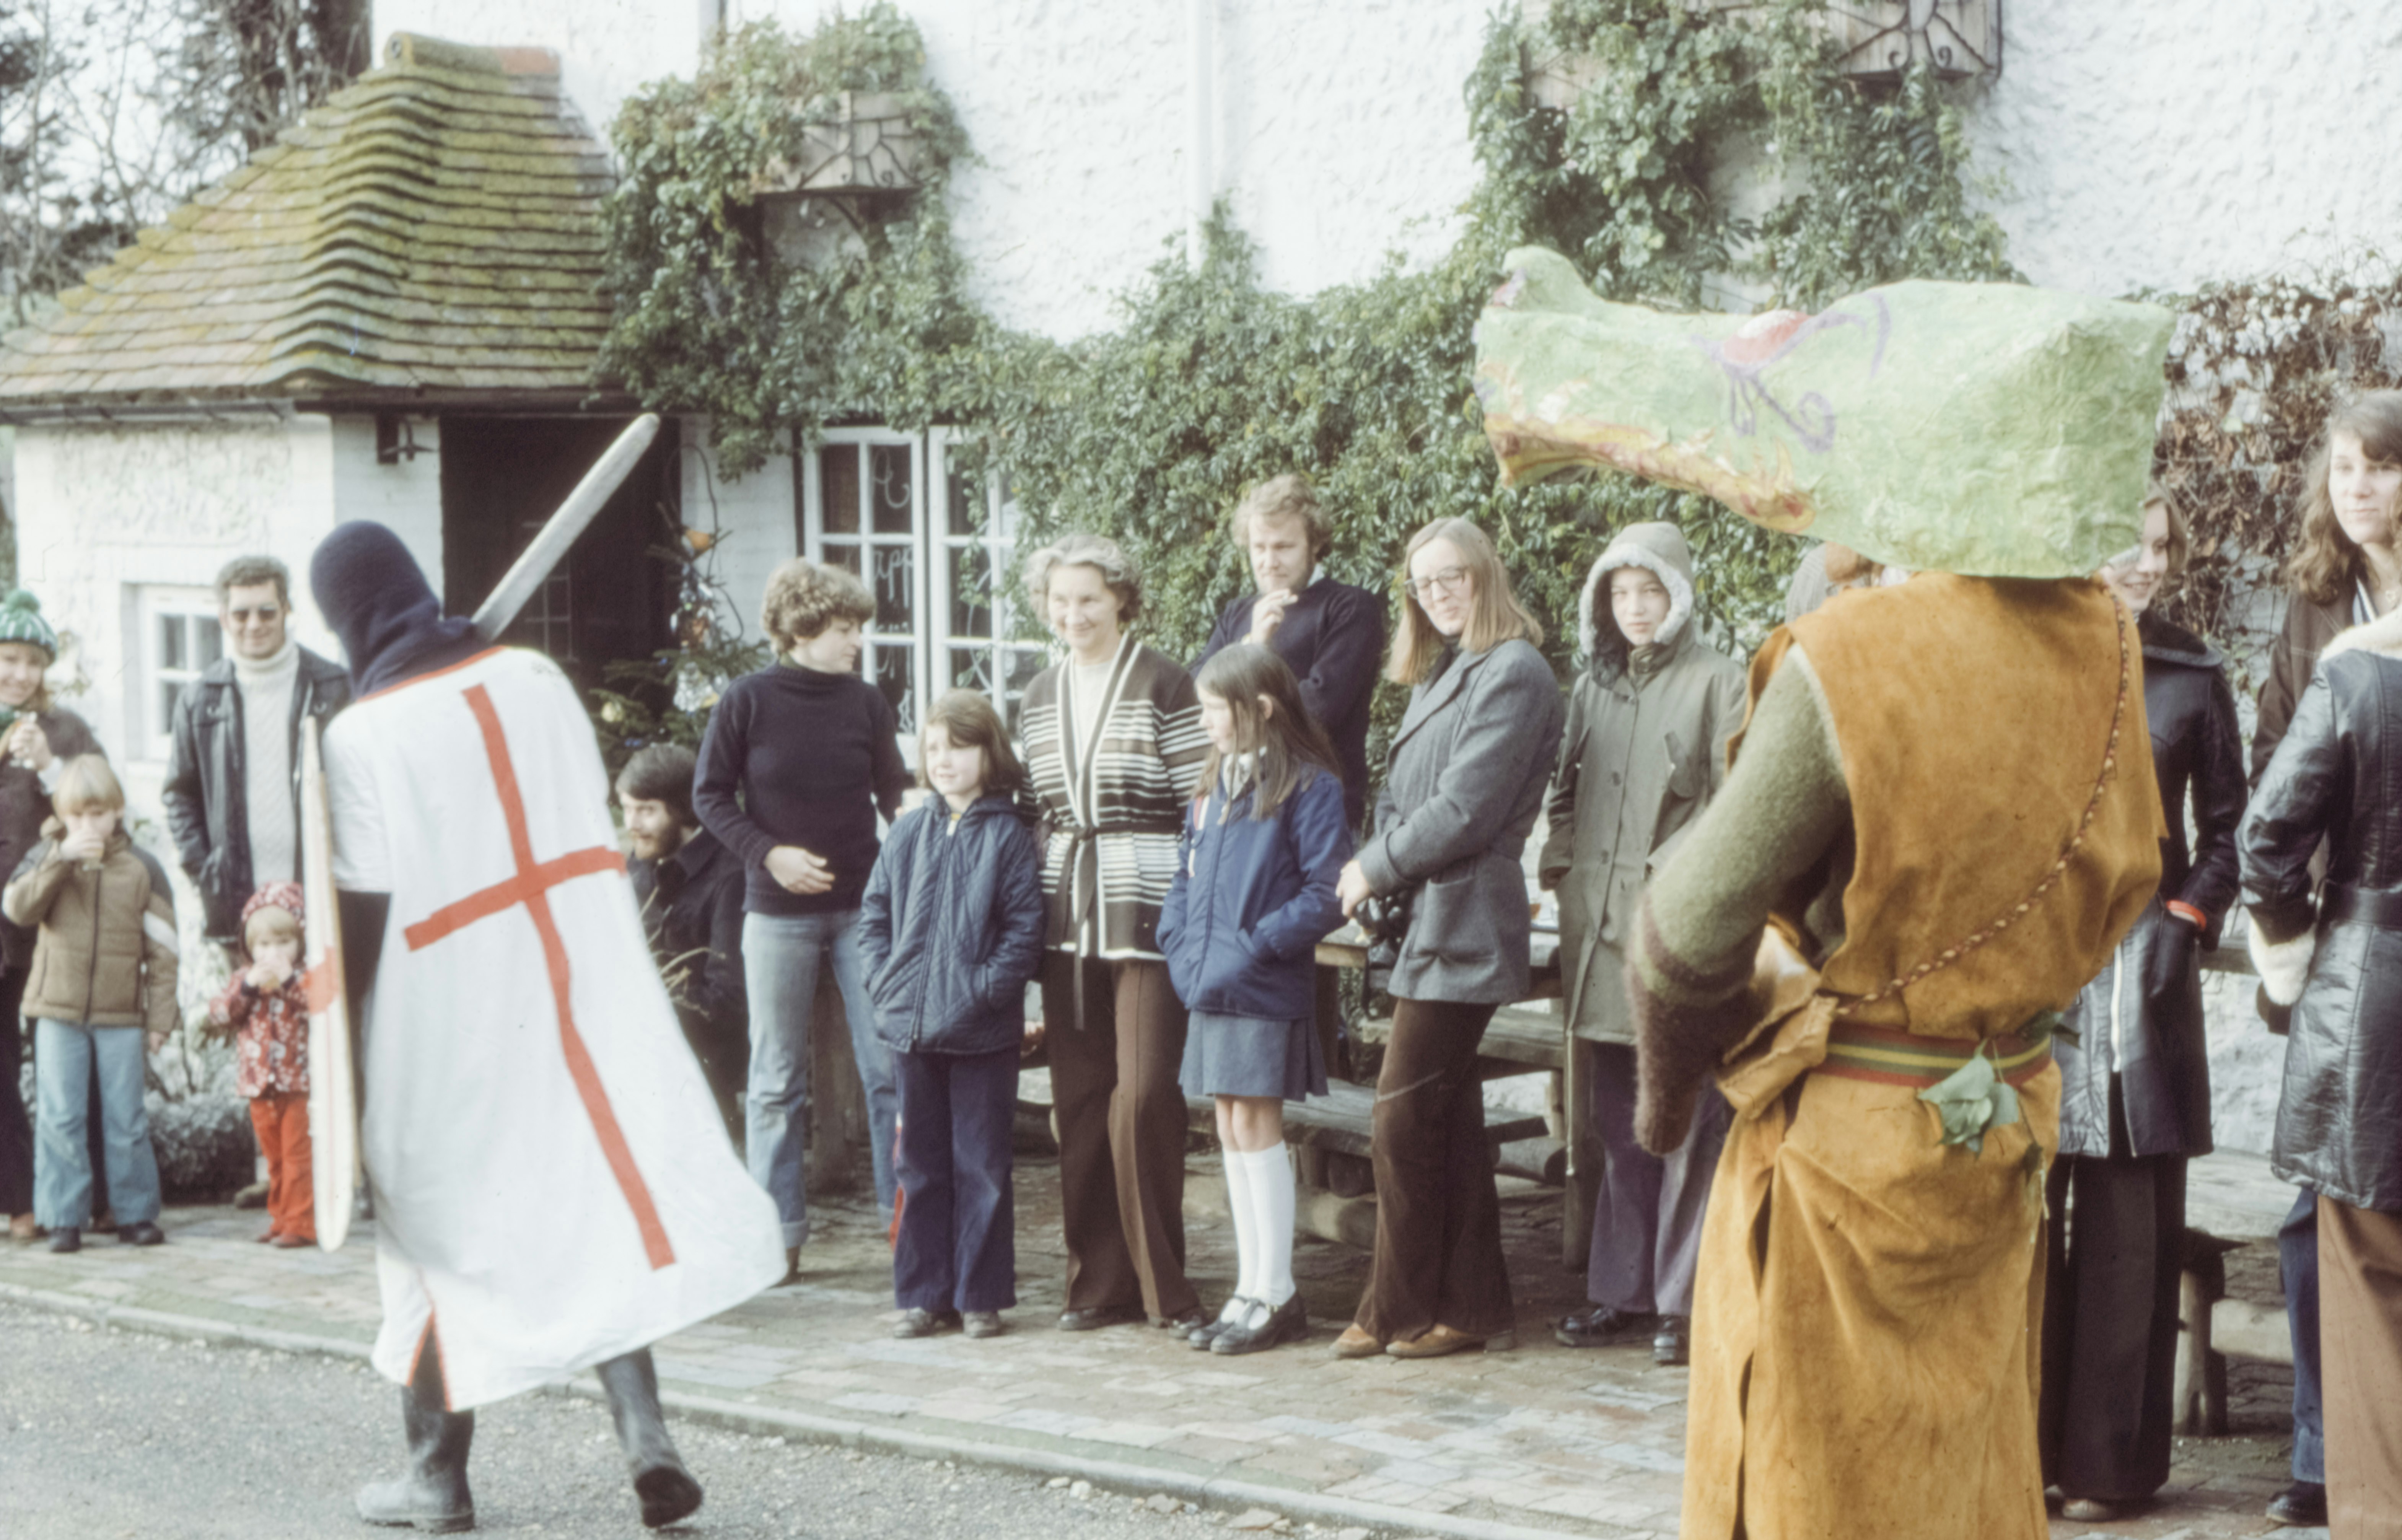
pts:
[1605, 1325]
[432, 1495]
[2301, 1505]
[1671, 1345]
[667, 1490]
[66, 1238]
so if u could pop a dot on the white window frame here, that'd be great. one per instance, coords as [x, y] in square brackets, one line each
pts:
[197, 608]
[814, 545]
[930, 545]
[1005, 602]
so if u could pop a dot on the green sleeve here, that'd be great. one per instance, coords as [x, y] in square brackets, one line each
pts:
[1783, 807]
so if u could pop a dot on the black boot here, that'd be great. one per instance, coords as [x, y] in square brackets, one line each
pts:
[667, 1491]
[433, 1494]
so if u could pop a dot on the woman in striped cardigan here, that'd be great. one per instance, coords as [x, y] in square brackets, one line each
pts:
[1111, 741]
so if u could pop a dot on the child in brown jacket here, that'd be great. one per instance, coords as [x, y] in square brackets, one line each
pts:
[103, 969]
[265, 1007]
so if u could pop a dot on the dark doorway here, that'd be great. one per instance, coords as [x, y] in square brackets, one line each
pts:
[611, 600]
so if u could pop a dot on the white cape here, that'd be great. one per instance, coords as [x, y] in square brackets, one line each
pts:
[553, 1185]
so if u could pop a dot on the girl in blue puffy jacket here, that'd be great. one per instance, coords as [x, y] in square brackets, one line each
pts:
[950, 930]
[1253, 895]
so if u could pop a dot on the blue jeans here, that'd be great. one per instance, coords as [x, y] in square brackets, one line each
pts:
[958, 1247]
[2297, 1265]
[781, 953]
[66, 1059]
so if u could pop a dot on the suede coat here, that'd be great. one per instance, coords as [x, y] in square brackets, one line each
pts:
[1867, 1324]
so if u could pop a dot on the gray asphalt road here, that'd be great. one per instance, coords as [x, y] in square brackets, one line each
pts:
[106, 1433]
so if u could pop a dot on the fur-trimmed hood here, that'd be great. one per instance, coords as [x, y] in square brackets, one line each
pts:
[2381, 636]
[1658, 549]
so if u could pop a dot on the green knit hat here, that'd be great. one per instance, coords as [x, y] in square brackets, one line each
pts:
[20, 620]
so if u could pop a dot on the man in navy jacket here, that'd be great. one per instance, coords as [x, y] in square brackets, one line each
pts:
[1331, 633]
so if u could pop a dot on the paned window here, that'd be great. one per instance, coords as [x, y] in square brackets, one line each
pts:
[931, 539]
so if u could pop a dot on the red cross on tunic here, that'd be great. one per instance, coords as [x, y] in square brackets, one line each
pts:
[531, 886]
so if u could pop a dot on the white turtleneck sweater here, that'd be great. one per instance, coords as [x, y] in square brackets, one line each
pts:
[267, 763]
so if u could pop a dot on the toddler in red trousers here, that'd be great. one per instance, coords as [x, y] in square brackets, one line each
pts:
[266, 1009]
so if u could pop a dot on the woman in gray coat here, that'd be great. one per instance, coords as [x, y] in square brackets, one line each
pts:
[1646, 744]
[1462, 795]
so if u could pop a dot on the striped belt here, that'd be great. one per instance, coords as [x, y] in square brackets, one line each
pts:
[1856, 1053]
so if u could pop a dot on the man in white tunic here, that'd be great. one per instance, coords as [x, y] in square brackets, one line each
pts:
[553, 1188]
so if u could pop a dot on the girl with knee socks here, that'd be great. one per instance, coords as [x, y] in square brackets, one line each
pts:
[1254, 893]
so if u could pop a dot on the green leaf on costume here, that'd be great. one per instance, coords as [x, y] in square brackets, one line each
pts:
[1971, 1101]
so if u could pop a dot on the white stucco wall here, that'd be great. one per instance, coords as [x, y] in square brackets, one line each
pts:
[753, 518]
[106, 511]
[1341, 134]
[2155, 146]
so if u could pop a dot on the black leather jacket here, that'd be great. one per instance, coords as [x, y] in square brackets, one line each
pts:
[205, 780]
[2337, 773]
[2154, 1046]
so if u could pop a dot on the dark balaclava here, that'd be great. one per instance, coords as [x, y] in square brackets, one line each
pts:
[392, 627]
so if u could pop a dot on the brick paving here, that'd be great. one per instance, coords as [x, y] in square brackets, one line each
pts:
[1539, 1439]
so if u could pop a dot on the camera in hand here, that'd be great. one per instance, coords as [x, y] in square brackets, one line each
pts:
[1384, 918]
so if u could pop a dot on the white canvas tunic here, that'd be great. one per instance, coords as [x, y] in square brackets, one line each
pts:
[553, 1185]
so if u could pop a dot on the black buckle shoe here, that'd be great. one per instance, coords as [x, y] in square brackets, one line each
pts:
[1261, 1328]
[1200, 1337]
[1605, 1325]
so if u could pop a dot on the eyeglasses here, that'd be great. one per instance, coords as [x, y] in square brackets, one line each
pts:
[1451, 579]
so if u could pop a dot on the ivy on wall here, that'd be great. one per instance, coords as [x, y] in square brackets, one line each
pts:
[1210, 382]
[707, 319]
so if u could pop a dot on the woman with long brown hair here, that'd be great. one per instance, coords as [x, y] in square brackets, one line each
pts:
[1469, 762]
[1265, 839]
[2344, 571]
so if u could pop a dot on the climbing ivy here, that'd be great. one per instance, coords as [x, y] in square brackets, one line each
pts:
[706, 318]
[1210, 381]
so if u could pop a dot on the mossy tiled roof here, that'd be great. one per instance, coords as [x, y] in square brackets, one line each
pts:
[433, 228]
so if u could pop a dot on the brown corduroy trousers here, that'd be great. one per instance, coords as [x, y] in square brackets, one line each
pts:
[1437, 1259]
[2360, 1317]
[1122, 1124]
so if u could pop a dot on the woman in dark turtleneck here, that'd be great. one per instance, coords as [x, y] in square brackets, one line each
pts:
[1644, 748]
[798, 760]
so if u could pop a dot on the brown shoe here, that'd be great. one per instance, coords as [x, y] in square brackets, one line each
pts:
[268, 1235]
[1355, 1342]
[290, 1242]
[21, 1229]
[1435, 1342]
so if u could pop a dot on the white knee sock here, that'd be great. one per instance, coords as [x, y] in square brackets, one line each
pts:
[1246, 1240]
[1271, 1185]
